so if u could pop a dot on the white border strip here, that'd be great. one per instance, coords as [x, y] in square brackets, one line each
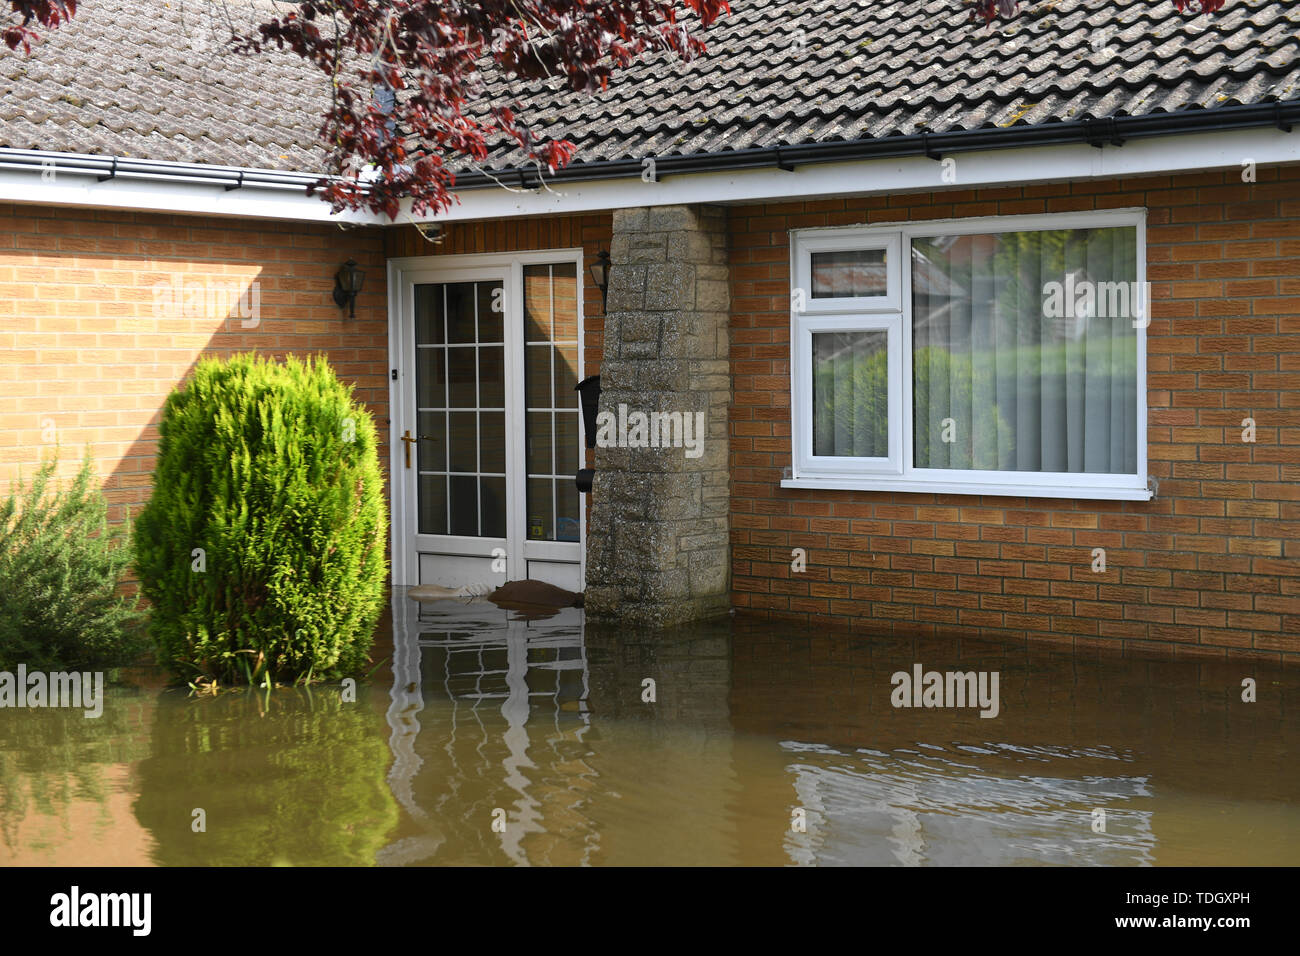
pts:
[1163, 155]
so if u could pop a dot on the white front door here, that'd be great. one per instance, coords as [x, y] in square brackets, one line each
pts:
[486, 427]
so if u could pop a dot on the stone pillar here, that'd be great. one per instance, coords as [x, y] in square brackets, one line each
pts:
[658, 542]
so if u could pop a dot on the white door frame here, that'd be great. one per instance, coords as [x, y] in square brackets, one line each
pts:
[403, 275]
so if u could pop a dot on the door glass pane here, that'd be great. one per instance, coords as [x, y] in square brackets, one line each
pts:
[538, 443]
[491, 312]
[850, 401]
[461, 307]
[541, 509]
[566, 376]
[492, 376]
[537, 376]
[454, 367]
[567, 527]
[564, 301]
[431, 454]
[566, 443]
[492, 504]
[461, 374]
[428, 314]
[537, 303]
[433, 504]
[464, 504]
[464, 441]
[492, 442]
[1024, 350]
[431, 377]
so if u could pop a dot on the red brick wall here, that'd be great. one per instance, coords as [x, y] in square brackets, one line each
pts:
[86, 360]
[1208, 567]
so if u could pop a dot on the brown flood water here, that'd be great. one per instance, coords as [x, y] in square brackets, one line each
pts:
[482, 716]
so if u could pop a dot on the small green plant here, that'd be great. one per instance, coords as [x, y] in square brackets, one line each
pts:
[60, 567]
[262, 546]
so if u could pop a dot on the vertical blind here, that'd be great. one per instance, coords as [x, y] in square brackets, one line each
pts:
[1024, 351]
[850, 394]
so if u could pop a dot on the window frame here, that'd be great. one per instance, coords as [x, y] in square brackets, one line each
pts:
[838, 241]
[808, 471]
[891, 325]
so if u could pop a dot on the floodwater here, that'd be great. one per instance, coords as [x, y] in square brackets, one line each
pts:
[490, 739]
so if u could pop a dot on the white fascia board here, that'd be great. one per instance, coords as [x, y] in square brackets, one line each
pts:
[1157, 155]
[149, 194]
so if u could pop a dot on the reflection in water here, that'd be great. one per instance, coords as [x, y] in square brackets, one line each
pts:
[290, 777]
[485, 716]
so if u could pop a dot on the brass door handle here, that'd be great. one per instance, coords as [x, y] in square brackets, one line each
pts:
[407, 442]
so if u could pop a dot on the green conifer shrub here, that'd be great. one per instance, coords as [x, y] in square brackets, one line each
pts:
[60, 567]
[262, 547]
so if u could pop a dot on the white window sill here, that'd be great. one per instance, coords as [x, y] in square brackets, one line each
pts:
[1081, 491]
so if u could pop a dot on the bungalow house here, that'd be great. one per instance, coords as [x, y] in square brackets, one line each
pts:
[943, 327]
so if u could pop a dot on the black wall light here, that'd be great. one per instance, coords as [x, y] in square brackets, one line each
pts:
[600, 275]
[347, 283]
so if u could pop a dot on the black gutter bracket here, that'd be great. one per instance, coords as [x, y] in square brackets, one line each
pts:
[1102, 132]
[238, 184]
[925, 147]
[782, 163]
[112, 172]
[1282, 124]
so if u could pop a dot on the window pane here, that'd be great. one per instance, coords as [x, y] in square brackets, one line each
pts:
[856, 272]
[851, 394]
[1025, 352]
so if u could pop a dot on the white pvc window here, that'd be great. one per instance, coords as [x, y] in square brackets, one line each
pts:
[991, 356]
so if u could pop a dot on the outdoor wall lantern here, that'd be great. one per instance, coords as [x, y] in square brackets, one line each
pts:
[600, 275]
[347, 283]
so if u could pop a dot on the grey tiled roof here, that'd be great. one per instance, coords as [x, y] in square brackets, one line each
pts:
[150, 79]
[132, 78]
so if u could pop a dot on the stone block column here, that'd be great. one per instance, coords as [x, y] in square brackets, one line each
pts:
[658, 542]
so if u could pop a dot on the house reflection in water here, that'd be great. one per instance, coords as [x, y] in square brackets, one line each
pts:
[545, 720]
